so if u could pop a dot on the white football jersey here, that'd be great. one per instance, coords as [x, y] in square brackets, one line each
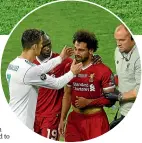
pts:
[24, 78]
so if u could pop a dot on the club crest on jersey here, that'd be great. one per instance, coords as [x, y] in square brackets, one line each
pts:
[43, 76]
[91, 77]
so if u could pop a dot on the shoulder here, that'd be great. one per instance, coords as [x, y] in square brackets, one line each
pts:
[68, 60]
[101, 68]
[65, 61]
[136, 53]
[20, 65]
[21, 62]
[14, 61]
[54, 55]
[68, 64]
[117, 52]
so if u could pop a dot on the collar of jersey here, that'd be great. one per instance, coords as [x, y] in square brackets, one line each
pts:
[27, 61]
[85, 67]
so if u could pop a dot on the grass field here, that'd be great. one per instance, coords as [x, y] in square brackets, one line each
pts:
[128, 10]
[60, 21]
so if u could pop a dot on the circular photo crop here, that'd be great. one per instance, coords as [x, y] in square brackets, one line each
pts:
[71, 70]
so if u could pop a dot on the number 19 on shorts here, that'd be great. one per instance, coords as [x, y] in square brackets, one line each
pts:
[52, 134]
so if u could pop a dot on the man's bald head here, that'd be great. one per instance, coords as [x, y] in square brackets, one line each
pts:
[123, 38]
[122, 28]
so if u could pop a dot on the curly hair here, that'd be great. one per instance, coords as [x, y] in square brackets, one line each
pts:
[86, 37]
[30, 37]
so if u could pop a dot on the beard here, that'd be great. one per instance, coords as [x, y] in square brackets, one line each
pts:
[45, 55]
[81, 59]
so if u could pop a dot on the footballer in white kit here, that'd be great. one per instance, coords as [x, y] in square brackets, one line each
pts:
[24, 77]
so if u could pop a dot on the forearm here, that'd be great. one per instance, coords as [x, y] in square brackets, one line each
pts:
[130, 95]
[61, 81]
[102, 101]
[118, 96]
[66, 104]
[34, 78]
[99, 102]
[46, 67]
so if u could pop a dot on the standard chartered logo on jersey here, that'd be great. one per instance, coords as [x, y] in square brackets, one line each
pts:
[83, 86]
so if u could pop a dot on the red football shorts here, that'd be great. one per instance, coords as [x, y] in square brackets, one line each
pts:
[82, 127]
[47, 126]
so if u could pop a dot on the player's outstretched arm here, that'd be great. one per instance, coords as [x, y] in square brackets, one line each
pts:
[46, 67]
[35, 77]
[66, 103]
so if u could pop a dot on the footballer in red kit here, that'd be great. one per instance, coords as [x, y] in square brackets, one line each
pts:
[85, 92]
[89, 84]
[49, 101]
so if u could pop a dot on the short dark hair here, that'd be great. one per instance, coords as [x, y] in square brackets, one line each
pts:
[87, 37]
[42, 32]
[30, 37]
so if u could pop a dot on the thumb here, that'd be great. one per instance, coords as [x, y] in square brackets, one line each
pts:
[77, 97]
[64, 48]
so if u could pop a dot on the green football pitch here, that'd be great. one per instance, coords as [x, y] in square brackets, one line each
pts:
[128, 10]
[60, 20]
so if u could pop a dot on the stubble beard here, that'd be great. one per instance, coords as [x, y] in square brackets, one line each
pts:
[83, 60]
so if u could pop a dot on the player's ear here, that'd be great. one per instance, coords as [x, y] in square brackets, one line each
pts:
[34, 46]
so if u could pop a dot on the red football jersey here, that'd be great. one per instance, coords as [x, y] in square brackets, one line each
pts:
[91, 81]
[49, 101]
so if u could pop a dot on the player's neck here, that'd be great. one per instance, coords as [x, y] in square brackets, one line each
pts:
[28, 55]
[86, 63]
